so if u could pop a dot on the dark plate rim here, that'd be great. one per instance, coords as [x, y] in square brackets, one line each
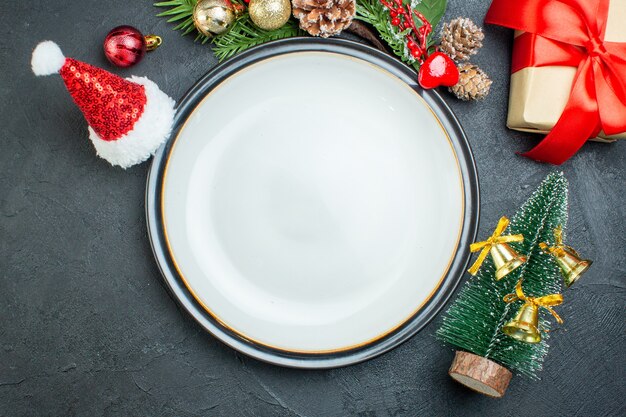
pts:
[467, 165]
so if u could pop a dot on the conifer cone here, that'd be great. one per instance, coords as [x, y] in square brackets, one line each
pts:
[461, 38]
[473, 83]
[324, 17]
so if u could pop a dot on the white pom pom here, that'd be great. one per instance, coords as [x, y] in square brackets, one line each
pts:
[147, 134]
[47, 58]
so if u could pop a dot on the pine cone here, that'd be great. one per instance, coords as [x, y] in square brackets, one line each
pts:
[461, 38]
[473, 83]
[324, 17]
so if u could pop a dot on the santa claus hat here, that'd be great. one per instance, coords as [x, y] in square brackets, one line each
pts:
[128, 118]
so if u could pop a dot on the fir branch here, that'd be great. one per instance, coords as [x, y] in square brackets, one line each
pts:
[244, 34]
[374, 13]
[474, 321]
[377, 15]
[181, 11]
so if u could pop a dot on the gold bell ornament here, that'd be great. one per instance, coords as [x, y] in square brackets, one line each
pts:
[525, 326]
[214, 17]
[570, 263]
[505, 258]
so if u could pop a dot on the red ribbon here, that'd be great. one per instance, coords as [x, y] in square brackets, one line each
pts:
[570, 32]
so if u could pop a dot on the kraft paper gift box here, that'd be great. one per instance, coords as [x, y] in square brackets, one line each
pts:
[538, 94]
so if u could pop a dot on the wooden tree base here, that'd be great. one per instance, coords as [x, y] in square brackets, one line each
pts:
[480, 374]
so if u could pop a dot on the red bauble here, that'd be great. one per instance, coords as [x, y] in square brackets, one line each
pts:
[124, 46]
[438, 69]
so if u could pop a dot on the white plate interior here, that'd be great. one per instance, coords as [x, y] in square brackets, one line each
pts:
[312, 202]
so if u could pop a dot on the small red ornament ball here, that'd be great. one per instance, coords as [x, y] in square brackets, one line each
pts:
[124, 46]
[438, 69]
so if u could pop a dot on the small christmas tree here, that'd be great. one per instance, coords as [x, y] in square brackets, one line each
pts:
[474, 321]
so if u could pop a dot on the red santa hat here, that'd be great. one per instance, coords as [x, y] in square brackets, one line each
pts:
[128, 118]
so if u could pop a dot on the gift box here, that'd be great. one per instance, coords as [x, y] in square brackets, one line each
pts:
[538, 95]
[568, 68]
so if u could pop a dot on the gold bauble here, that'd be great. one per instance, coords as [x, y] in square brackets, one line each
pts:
[214, 17]
[269, 14]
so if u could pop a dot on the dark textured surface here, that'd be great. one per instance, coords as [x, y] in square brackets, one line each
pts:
[88, 329]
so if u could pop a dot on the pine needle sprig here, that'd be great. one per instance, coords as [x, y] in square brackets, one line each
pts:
[244, 34]
[181, 11]
[374, 13]
[474, 320]
[377, 15]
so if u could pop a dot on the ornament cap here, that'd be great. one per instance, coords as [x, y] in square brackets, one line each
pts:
[47, 59]
[152, 42]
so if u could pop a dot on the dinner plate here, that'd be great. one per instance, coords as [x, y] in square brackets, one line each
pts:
[314, 206]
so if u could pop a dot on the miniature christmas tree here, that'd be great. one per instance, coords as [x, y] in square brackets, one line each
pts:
[474, 321]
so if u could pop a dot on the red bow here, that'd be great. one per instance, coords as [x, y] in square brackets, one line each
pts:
[571, 33]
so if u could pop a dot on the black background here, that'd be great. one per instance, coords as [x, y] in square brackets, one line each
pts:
[87, 328]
